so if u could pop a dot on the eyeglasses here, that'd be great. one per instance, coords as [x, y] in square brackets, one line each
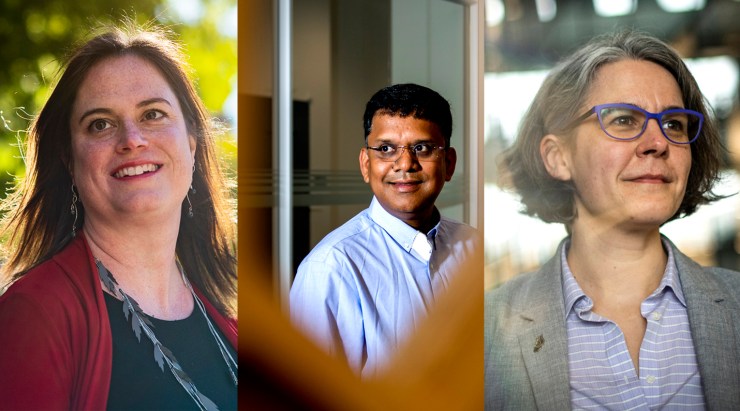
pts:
[628, 122]
[422, 151]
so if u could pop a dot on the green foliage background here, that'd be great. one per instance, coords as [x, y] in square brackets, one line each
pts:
[36, 34]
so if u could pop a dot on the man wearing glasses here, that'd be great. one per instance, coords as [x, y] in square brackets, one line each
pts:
[366, 286]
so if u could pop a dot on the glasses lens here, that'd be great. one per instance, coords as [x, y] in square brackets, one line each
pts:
[622, 123]
[386, 152]
[422, 151]
[680, 126]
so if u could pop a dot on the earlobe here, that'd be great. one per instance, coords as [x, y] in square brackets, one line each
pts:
[555, 157]
[71, 170]
[193, 145]
[450, 162]
[364, 165]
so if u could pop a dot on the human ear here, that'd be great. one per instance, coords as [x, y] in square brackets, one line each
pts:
[70, 164]
[193, 144]
[450, 161]
[365, 165]
[555, 157]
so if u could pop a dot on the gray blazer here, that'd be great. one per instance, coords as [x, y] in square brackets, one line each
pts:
[526, 360]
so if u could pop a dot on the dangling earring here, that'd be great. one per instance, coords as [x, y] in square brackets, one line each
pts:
[190, 206]
[192, 189]
[73, 210]
[187, 196]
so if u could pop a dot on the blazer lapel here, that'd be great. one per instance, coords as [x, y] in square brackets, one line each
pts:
[710, 311]
[543, 341]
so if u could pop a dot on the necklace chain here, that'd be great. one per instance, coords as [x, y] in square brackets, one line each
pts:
[139, 323]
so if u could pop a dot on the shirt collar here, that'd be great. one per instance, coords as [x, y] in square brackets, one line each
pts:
[670, 277]
[402, 233]
[572, 292]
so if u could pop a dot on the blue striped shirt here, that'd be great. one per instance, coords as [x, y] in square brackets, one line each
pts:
[367, 285]
[602, 375]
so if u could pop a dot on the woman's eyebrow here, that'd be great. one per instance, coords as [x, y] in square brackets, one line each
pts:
[94, 111]
[154, 100]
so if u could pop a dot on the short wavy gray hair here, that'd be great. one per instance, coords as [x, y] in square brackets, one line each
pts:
[559, 101]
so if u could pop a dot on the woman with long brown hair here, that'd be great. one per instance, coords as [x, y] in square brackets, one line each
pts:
[120, 252]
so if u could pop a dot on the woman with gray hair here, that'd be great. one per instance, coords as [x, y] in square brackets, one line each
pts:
[618, 318]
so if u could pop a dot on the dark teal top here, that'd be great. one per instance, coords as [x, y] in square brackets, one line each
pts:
[137, 382]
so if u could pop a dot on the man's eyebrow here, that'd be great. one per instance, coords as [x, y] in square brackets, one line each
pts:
[414, 141]
[139, 105]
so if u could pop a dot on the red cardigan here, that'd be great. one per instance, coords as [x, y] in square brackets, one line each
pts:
[55, 339]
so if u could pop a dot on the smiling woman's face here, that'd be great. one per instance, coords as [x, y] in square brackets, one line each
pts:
[132, 153]
[629, 184]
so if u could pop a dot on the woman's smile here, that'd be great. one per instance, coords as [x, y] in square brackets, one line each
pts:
[134, 171]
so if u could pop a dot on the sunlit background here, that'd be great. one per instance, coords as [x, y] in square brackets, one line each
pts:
[524, 39]
[35, 35]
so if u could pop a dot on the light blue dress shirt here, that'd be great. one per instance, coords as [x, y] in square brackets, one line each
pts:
[602, 375]
[368, 284]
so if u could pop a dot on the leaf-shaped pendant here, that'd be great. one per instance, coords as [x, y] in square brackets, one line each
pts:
[207, 403]
[108, 281]
[181, 375]
[158, 357]
[136, 326]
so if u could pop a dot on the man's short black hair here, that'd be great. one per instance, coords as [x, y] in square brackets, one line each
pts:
[410, 99]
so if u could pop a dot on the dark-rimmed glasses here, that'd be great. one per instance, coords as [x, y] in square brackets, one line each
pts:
[627, 122]
[422, 151]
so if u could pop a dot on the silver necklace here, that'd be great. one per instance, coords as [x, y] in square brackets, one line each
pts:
[162, 355]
